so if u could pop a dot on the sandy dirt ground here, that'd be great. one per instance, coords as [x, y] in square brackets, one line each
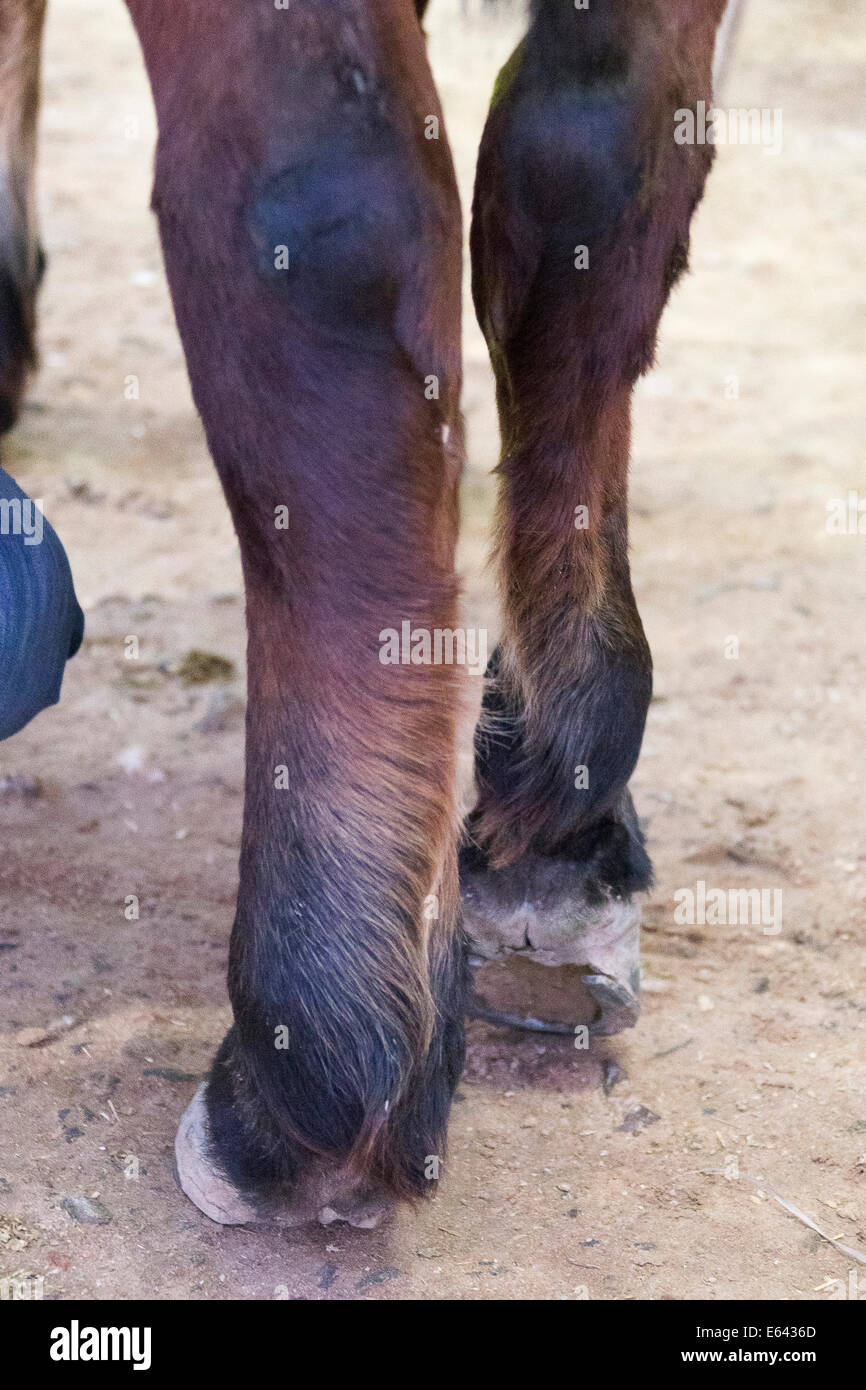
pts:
[747, 1068]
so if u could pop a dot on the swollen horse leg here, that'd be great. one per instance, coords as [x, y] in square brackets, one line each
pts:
[312, 242]
[21, 258]
[580, 228]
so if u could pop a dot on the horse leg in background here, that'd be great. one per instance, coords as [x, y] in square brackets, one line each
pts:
[580, 228]
[312, 241]
[21, 258]
[41, 624]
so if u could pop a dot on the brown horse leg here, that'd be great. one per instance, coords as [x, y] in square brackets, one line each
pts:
[21, 258]
[312, 241]
[580, 228]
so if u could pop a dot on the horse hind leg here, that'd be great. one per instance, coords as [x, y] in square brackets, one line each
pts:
[580, 228]
[21, 260]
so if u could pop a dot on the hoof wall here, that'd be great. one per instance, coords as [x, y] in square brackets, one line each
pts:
[322, 1193]
[537, 912]
[198, 1175]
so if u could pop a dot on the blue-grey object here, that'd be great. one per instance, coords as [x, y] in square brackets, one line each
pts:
[41, 622]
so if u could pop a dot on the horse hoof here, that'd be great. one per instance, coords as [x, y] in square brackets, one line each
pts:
[537, 910]
[323, 1192]
[200, 1175]
[365, 1215]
